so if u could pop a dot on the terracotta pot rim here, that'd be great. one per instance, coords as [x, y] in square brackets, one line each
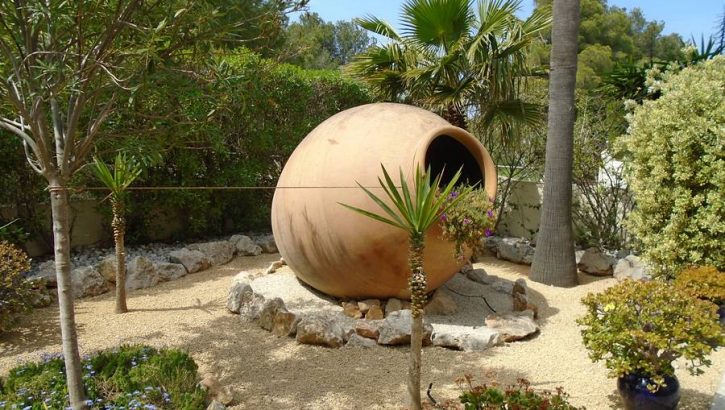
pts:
[472, 144]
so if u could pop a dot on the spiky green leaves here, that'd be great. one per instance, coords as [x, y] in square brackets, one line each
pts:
[414, 208]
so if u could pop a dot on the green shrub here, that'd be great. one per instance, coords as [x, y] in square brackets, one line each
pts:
[16, 293]
[235, 125]
[519, 396]
[469, 220]
[704, 282]
[131, 377]
[641, 327]
[675, 166]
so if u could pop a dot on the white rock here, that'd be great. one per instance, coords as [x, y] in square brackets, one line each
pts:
[395, 329]
[596, 262]
[359, 341]
[441, 304]
[632, 267]
[321, 329]
[467, 338]
[267, 244]
[245, 246]
[517, 250]
[46, 271]
[193, 260]
[169, 271]
[87, 281]
[512, 326]
[108, 267]
[480, 276]
[141, 273]
[393, 305]
[239, 292]
[218, 252]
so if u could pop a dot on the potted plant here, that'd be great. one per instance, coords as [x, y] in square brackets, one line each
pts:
[704, 282]
[639, 329]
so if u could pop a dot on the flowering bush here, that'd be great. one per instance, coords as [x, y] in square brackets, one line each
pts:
[642, 327]
[16, 293]
[674, 163]
[469, 220]
[129, 378]
[704, 282]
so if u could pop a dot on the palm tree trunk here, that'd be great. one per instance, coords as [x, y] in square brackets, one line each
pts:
[61, 239]
[554, 262]
[453, 115]
[417, 284]
[119, 232]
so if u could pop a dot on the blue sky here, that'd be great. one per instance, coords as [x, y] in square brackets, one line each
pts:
[686, 17]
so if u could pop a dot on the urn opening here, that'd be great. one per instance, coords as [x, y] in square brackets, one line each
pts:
[445, 154]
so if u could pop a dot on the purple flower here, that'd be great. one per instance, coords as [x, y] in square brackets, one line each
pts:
[466, 221]
[489, 213]
[453, 195]
[444, 218]
[489, 232]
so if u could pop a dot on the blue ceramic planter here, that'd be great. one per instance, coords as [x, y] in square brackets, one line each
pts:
[633, 389]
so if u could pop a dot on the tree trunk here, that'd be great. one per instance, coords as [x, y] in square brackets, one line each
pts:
[417, 283]
[61, 239]
[119, 232]
[554, 262]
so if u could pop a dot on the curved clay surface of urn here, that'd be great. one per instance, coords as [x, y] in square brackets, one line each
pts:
[345, 254]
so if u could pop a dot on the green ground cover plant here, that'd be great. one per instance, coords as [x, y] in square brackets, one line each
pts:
[129, 377]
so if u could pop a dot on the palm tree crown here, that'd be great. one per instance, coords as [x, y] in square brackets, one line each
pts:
[454, 57]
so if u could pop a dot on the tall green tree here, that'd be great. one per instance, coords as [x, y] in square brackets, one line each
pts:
[64, 66]
[317, 44]
[554, 262]
[454, 57]
[415, 209]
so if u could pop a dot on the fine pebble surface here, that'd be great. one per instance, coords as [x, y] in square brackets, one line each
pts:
[269, 372]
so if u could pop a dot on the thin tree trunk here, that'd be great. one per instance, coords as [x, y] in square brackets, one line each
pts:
[417, 283]
[61, 238]
[554, 262]
[119, 232]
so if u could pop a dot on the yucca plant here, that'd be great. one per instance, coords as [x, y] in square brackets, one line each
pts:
[414, 211]
[125, 170]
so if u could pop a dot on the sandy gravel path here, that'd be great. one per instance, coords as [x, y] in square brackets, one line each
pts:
[266, 372]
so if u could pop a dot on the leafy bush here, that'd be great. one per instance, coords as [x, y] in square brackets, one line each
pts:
[469, 220]
[234, 125]
[641, 327]
[131, 377]
[676, 170]
[519, 396]
[16, 293]
[704, 282]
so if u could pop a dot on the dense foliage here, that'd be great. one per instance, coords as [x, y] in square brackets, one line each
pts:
[675, 160]
[129, 377]
[16, 293]
[236, 126]
[315, 43]
[704, 282]
[642, 327]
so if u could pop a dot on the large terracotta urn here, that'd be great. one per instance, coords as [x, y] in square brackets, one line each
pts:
[345, 254]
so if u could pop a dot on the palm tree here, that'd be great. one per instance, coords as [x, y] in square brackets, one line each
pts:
[125, 170]
[554, 262]
[414, 211]
[454, 60]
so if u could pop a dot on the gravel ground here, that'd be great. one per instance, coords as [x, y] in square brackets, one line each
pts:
[276, 373]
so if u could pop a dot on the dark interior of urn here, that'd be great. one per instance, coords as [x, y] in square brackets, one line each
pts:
[446, 155]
